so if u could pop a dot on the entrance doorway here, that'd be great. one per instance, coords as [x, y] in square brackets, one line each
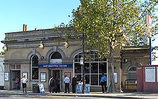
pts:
[15, 74]
[55, 74]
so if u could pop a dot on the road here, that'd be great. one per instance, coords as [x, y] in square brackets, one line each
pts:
[45, 97]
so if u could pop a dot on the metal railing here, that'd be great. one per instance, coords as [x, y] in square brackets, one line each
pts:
[130, 85]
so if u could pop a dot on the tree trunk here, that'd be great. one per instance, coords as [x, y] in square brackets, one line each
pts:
[113, 88]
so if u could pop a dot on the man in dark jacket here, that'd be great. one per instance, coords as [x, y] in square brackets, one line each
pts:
[57, 85]
[74, 84]
[51, 85]
[103, 82]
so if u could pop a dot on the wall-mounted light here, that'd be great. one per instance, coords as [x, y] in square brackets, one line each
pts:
[41, 46]
[126, 60]
[5, 48]
[123, 44]
[66, 45]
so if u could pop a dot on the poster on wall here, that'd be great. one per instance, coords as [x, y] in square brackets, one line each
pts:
[149, 74]
[43, 76]
[6, 76]
[157, 74]
[115, 77]
[68, 74]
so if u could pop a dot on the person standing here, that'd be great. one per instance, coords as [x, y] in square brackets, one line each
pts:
[103, 82]
[57, 85]
[74, 84]
[67, 81]
[17, 82]
[24, 80]
[51, 85]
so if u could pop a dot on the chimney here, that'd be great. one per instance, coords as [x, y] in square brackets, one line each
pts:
[24, 27]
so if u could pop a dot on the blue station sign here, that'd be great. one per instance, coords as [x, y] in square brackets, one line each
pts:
[55, 66]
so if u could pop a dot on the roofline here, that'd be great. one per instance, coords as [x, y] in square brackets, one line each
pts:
[135, 48]
[36, 30]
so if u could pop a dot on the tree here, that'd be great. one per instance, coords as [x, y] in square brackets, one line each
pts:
[2, 53]
[108, 24]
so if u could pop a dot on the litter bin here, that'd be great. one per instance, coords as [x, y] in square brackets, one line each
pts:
[35, 88]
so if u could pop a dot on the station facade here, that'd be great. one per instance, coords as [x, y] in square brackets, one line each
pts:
[40, 54]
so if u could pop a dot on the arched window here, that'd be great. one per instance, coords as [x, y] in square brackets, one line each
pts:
[34, 67]
[94, 67]
[55, 58]
[132, 73]
[56, 55]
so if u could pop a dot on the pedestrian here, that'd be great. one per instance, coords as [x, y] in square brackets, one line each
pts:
[74, 82]
[17, 82]
[103, 82]
[51, 85]
[24, 80]
[57, 85]
[67, 81]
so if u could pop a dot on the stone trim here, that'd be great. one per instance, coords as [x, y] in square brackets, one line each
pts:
[55, 49]
[76, 52]
[34, 52]
[130, 64]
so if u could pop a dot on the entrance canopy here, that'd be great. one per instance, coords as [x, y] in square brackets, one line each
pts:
[55, 66]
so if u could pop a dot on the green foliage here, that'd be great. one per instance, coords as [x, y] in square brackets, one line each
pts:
[108, 24]
[111, 23]
[2, 53]
[65, 32]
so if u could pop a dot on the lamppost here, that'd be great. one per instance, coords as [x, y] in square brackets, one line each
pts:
[83, 63]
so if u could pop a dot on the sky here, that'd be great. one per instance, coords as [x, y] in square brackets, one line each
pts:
[40, 14]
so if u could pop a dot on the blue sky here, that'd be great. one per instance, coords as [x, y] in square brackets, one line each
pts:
[40, 14]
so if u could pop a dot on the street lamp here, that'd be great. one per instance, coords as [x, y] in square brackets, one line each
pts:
[66, 45]
[83, 62]
[5, 48]
[41, 46]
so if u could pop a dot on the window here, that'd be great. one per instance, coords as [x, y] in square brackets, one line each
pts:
[102, 67]
[55, 58]
[77, 68]
[94, 67]
[132, 73]
[56, 55]
[15, 67]
[34, 67]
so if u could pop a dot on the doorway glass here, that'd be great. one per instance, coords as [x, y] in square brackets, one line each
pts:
[55, 74]
[94, 67]
[15, 79]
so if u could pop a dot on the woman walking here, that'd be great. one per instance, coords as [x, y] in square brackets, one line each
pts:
[24, 80]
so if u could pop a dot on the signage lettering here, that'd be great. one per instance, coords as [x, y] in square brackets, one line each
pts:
[55, 66]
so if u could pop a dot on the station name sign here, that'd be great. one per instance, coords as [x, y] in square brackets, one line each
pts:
[55, 66]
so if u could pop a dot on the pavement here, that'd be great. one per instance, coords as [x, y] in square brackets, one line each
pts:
[133, 95]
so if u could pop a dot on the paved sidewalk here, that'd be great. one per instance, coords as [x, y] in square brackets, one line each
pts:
[134, 95]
